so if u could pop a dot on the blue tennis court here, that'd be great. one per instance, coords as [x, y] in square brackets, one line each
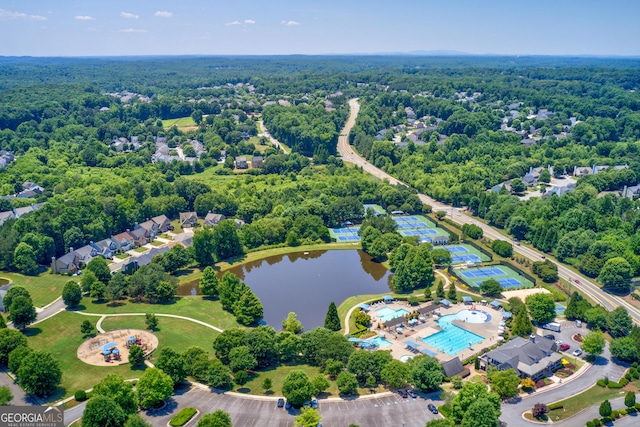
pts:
[483, 272]
[405, 218]
[351, 238]
[412, 225]
[465, 258]
[352, 230]
[510, 282]
[455, 249]
[418, 232]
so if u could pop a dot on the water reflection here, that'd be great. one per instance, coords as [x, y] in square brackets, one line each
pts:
[306, 283]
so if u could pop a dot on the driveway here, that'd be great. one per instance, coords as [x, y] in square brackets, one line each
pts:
[246, 411]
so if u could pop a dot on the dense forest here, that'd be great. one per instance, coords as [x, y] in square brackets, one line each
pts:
[450, 127]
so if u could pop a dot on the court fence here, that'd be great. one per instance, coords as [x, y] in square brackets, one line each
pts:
[470, 281]
[453, 236]
[520, 271]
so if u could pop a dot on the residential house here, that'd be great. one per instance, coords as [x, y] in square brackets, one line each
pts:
[256, 161]
[632, 192]
[213, 219]
[86, 254]
[107, 248]
[18, 212]
[185, 239]
[534, 358]
[454, 367]
[119, 144]
[188, 219]
[150, 228]
[163, 223]
[580, 171]
[131, 264]
[124, 241]
[67, 263]
[410, 113]
[6, 157]
[239, 222]
[530, 180]
[528, 142]
[241, 162]
[6, 216]
[139, 236]
[498, 187]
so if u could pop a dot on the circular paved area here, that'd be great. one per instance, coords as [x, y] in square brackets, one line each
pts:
[90, 352]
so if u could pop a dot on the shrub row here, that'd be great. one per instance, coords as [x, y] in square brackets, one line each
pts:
[554, 406]
[183, 417]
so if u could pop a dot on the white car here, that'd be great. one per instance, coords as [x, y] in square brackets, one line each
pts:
[577, 352]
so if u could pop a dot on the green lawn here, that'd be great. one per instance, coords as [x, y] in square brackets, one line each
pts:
[157, 243]
[164, 236]
[196, 307]
[177, 228]
[279, 373]
[589, 397]
[180, 122]
[178, 334]
[122, 256]
[141, 249]
[44, 288]
[60, 335]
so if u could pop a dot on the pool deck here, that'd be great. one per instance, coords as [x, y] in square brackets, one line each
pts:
[488, 330]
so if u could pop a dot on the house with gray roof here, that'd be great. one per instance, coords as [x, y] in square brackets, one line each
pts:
[6, 216]
[213, 219]
[534, 358]
[163, 222]
[139, 236]
[107, 248]
[67, 263]
[150, 228]
[18, 212]
[454, 367]
[86, 254]
[188, 219]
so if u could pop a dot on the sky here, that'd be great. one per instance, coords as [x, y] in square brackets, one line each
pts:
[265, 27]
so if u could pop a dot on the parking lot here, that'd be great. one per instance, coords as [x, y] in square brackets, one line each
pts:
[380, 411]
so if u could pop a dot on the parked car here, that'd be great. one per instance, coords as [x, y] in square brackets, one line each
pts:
[314, 403]
[564, 347]
[550, 336]
[413, 394]
[287, 405]
[281, 403]
[577, 352]
[404, 393]
[432, 408]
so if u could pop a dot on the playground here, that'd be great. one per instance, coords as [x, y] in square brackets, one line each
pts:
[112, 348]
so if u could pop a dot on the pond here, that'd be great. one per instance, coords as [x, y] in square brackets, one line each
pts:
[306, 283]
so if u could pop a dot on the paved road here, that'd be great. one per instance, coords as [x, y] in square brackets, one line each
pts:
[265, 132]
[380, 411]
[602, 367]
[583, 283]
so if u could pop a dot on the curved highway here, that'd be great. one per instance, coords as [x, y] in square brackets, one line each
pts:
[578, 281]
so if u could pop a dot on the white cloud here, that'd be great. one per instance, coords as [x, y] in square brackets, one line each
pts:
[163, 14]
[249, 21]
[85, 18]
[127, 15]
[7, 14]
[133, 30]
[290, 23]
[229, 24]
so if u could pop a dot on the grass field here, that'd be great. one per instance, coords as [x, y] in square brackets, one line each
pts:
[156, 243]
[178, 334]
[180, 122]
[60, 335]
[591, 396]
[44, 288]
[122, 256]
[141, 249]
[207, 311]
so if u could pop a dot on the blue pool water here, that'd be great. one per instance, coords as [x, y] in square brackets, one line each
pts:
[451, 339]
[385, 313]
[380, 342]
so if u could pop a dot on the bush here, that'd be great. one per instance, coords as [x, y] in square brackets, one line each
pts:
[80, 395]
[631, 410]
[597, 422]
[540, 383]
[636, 375]
[555, 406]
[637, 406]
[601, 383]
[634, 365]
[183, 417]
[615, 414]
[628, 376]
[590, 424]
[622, 383]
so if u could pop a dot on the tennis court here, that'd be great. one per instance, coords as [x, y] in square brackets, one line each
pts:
[425, 232]
[348, 230]
[456, 259]
[404, 225]
[455, 249]
[377, 208]
[508, 277]
[483, 272]
[405, 218]
[350, 238]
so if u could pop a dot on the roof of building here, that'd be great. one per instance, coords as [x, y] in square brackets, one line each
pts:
[121, 237]
[528, 356]
[452, 367]
[160, 219]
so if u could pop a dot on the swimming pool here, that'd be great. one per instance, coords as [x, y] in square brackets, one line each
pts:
[451, 339]
[385, 313]
[380, 342]
[473, 316]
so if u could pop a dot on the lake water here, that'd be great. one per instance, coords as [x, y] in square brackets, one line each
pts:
[306, 284]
